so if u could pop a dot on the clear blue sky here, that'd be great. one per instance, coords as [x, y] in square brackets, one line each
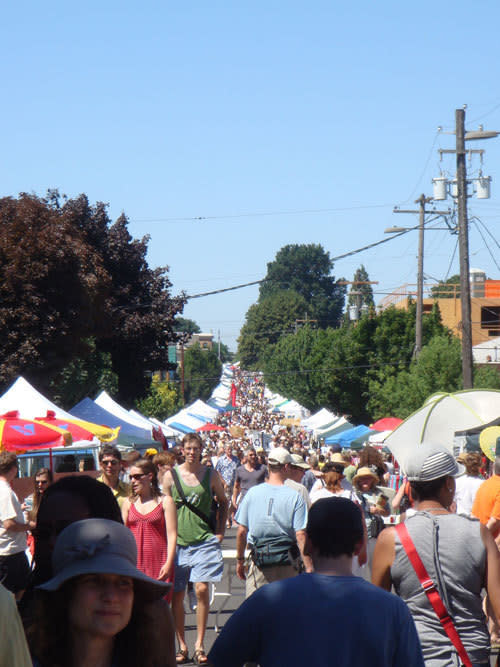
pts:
[252, 114]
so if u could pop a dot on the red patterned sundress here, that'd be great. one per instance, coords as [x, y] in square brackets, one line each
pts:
[150, 534]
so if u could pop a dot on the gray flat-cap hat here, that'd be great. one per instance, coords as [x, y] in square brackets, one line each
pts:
[100, 546]
[428, 462]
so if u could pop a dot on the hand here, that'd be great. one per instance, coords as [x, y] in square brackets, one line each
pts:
[164, 572]
[240, 570]
[375, 510]
[220, 537]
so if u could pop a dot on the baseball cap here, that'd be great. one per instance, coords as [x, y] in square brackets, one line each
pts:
[280, 456]
[100, 546]
[428, 462]
[298, 462]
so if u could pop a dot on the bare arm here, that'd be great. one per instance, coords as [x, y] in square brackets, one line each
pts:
[383, 558]
[13, 526]
[396, 501]
[125, 510]
[167, 482]
[219, 493]
[492, 583]
[170, 513]
[301, 542]
[241, 543]
[236, 491]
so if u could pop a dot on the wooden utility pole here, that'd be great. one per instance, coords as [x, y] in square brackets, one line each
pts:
[419, 316]
[463, 244]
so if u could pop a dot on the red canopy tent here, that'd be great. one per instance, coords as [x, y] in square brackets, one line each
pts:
[77, 431]
[210, 427]
[386, 424]
[22, 434]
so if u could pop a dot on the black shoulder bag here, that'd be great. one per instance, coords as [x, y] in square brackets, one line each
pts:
[209, 520]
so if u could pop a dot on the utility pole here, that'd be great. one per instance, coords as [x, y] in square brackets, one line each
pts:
[419, 316]
[463, 242]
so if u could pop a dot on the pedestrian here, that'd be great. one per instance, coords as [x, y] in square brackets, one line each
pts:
[459, 557]
[110, 464]
[152, 518]
[295, 477]
[13, 647]
[249, 474]
[272, 519]
[14, 565]
[226, 466]
[43, 479]
[328, 617]
[92, 610]
[467, 485]
[193, 487]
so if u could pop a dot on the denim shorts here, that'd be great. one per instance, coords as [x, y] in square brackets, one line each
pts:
[200, 562]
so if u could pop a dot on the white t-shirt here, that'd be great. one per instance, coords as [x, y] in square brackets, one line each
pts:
[465, 492]
[324, 493]
[10, 508]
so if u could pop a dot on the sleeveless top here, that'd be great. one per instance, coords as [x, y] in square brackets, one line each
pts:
[454, 555]
[150, 532]
[191, 529]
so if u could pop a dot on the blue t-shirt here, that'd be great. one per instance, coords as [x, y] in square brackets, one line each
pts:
[320, 620]
[272, 511]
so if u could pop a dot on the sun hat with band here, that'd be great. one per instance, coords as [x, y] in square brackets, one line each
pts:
[365, 471]
[100, 546]
[429, 462]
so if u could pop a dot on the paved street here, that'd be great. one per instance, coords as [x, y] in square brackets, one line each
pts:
[238, 595]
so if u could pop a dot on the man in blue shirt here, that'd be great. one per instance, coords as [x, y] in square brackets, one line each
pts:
[272, 518]
[329, 617]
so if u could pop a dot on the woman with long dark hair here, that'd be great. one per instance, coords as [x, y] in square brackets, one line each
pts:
[92, 611]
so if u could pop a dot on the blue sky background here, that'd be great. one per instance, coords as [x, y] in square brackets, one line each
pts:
[252, 115]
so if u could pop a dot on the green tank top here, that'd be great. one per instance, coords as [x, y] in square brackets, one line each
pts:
[191, 529]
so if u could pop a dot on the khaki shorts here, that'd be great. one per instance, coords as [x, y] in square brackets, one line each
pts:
[259, 576]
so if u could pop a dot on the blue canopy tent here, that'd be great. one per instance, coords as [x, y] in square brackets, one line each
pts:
[181, 427]
[129, 434]
[335, 431]
[344, 439]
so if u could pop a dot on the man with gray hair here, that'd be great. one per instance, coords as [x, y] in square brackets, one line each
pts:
[249, 474]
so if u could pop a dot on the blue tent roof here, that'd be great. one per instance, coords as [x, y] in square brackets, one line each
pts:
[203, 419]
[345, 438]
[181, 427]
[91, 412]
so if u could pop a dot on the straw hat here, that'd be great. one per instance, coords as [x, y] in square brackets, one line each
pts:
[337, 458]
[365, 471]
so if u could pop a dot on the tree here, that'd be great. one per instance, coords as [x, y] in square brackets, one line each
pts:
[447, 289]
[265, 322]
[306, 270]
[83, 288]
[486, 377]
[202, 370]
[162, 400]
[361, 295]
[185, 325]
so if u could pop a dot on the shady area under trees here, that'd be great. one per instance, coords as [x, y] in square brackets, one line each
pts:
[80, 309]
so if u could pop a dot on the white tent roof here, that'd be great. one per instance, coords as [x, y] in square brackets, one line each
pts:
[29, 402]
[105, 401]
[183, 418]
[487, 352]
[319, 419]
[199, 407]
[328, 427]
[294, 409]
[378, 438]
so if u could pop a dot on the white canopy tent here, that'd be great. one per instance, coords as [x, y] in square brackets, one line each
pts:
[105, 401]
[30, 403]
[319, 419]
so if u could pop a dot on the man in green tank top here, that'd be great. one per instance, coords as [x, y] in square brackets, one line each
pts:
[199, 555]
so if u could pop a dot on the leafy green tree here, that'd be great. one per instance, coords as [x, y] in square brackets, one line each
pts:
[306, 269]
[447, 289]
[486, 377]
[84, 376]
[202, 371]
[438, 368]
[186, 325]
[162, 400]
[361, 295]
[265, 322]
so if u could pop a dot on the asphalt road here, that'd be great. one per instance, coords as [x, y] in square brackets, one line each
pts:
[232, 603]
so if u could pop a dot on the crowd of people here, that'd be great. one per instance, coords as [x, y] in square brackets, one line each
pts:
[339, 566]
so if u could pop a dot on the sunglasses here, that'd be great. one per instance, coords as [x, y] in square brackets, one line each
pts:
[137, 476]
[110, 462]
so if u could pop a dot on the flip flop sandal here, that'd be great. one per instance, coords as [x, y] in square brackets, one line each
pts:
[182, 656]
[200, 657]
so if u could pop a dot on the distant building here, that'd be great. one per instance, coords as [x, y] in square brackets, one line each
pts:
[485, 307]
[204, 340]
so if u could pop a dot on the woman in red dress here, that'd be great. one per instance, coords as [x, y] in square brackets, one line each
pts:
[152, 518]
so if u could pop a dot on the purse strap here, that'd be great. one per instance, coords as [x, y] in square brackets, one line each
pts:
[432, 593]
[185, 501]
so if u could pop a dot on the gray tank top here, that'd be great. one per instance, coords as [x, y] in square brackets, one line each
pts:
[454, 555]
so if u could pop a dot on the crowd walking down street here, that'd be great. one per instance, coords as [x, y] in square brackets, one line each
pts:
[291, 552]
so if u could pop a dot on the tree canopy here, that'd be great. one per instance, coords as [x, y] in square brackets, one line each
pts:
[202, 371]
[83, 289]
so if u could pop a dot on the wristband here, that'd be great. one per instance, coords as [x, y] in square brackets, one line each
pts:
[240, 558]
